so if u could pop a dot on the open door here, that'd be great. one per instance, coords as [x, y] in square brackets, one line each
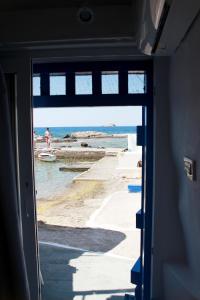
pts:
[141, 271]
[134, 87]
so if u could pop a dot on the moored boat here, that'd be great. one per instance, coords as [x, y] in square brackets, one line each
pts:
[48, 157]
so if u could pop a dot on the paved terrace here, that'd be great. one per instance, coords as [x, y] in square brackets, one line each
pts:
[110, 167]
[93, 262]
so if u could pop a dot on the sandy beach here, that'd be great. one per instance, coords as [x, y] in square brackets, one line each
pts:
[86, 193]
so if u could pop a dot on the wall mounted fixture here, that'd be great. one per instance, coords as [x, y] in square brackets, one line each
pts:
[85, 15]
[190, 168]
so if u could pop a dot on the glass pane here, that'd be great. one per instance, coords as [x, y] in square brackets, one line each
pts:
[83, 83]
[36, 86]
[110, 82]
[136, 82]
[57, 84]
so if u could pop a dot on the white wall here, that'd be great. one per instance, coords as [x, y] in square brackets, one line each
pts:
[167, 232]
[185, 123]
[177, 199]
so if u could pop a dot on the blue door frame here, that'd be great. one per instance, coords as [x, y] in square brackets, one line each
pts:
[142, 272]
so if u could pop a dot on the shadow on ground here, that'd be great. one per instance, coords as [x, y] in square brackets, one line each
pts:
[75, 274]
[92, 239]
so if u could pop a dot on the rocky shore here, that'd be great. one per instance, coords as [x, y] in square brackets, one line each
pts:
[73, 137]
[95, 134]
[78, 153]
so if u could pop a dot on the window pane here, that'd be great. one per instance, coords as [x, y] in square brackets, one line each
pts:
[83, 83]
[36, 85]
[57, 84]
[136, 82]
[110, 82]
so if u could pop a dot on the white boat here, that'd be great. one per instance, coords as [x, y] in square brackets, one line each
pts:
[40, 138]
[49, 157]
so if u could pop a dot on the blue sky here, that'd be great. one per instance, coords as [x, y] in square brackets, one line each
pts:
[95, 116]
[87, 116]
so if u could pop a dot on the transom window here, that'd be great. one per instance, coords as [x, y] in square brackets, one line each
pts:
[136, 82]
[83, 83]
[57, 84]
[110, 82]
[36, 85]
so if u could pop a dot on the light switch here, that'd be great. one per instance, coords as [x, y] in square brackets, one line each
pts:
[189, 167]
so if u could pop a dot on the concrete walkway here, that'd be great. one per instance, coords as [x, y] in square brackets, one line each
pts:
[71, 274]
[96, 267]
[118, 212]
[104, 170]
[108, 168]
[93, 262]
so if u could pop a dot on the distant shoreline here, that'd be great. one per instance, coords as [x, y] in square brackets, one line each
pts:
[61, 132]
[41, 139]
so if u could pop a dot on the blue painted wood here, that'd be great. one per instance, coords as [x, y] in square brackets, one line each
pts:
[123, 82]
[45, 84]
[96, 83]
[139, 219]
[70, 88]
[136, 273]
[148, 204]
[140, 135]
[143, 198]
[129, 297]
[88, 100]
[138, 293]
[65, 67]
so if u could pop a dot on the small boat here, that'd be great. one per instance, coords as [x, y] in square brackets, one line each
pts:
[49, 157]
[40, 138]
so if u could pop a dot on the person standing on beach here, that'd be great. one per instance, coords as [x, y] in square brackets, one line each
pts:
[47, 136]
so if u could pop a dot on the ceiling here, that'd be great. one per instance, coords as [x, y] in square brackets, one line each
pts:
[117, 24]
[44, 23]
[14, 5]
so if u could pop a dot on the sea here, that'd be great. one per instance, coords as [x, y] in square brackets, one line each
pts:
[51, 182]
[62, 131]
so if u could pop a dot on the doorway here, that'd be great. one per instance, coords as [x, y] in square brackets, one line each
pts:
[91, 86]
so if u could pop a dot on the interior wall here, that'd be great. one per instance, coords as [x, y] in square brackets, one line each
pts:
[168, 241]
[21, 66]
[185, 128]
[176, 198]
[52, 25]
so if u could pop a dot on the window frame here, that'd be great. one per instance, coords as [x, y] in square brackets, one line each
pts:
[96, 68]
[51, 75]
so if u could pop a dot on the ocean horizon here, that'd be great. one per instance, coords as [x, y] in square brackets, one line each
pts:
[62, 131]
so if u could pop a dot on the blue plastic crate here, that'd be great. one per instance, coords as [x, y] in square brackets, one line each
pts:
[134, 188]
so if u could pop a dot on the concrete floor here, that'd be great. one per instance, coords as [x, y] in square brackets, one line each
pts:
[73, 274]
[93, 261]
